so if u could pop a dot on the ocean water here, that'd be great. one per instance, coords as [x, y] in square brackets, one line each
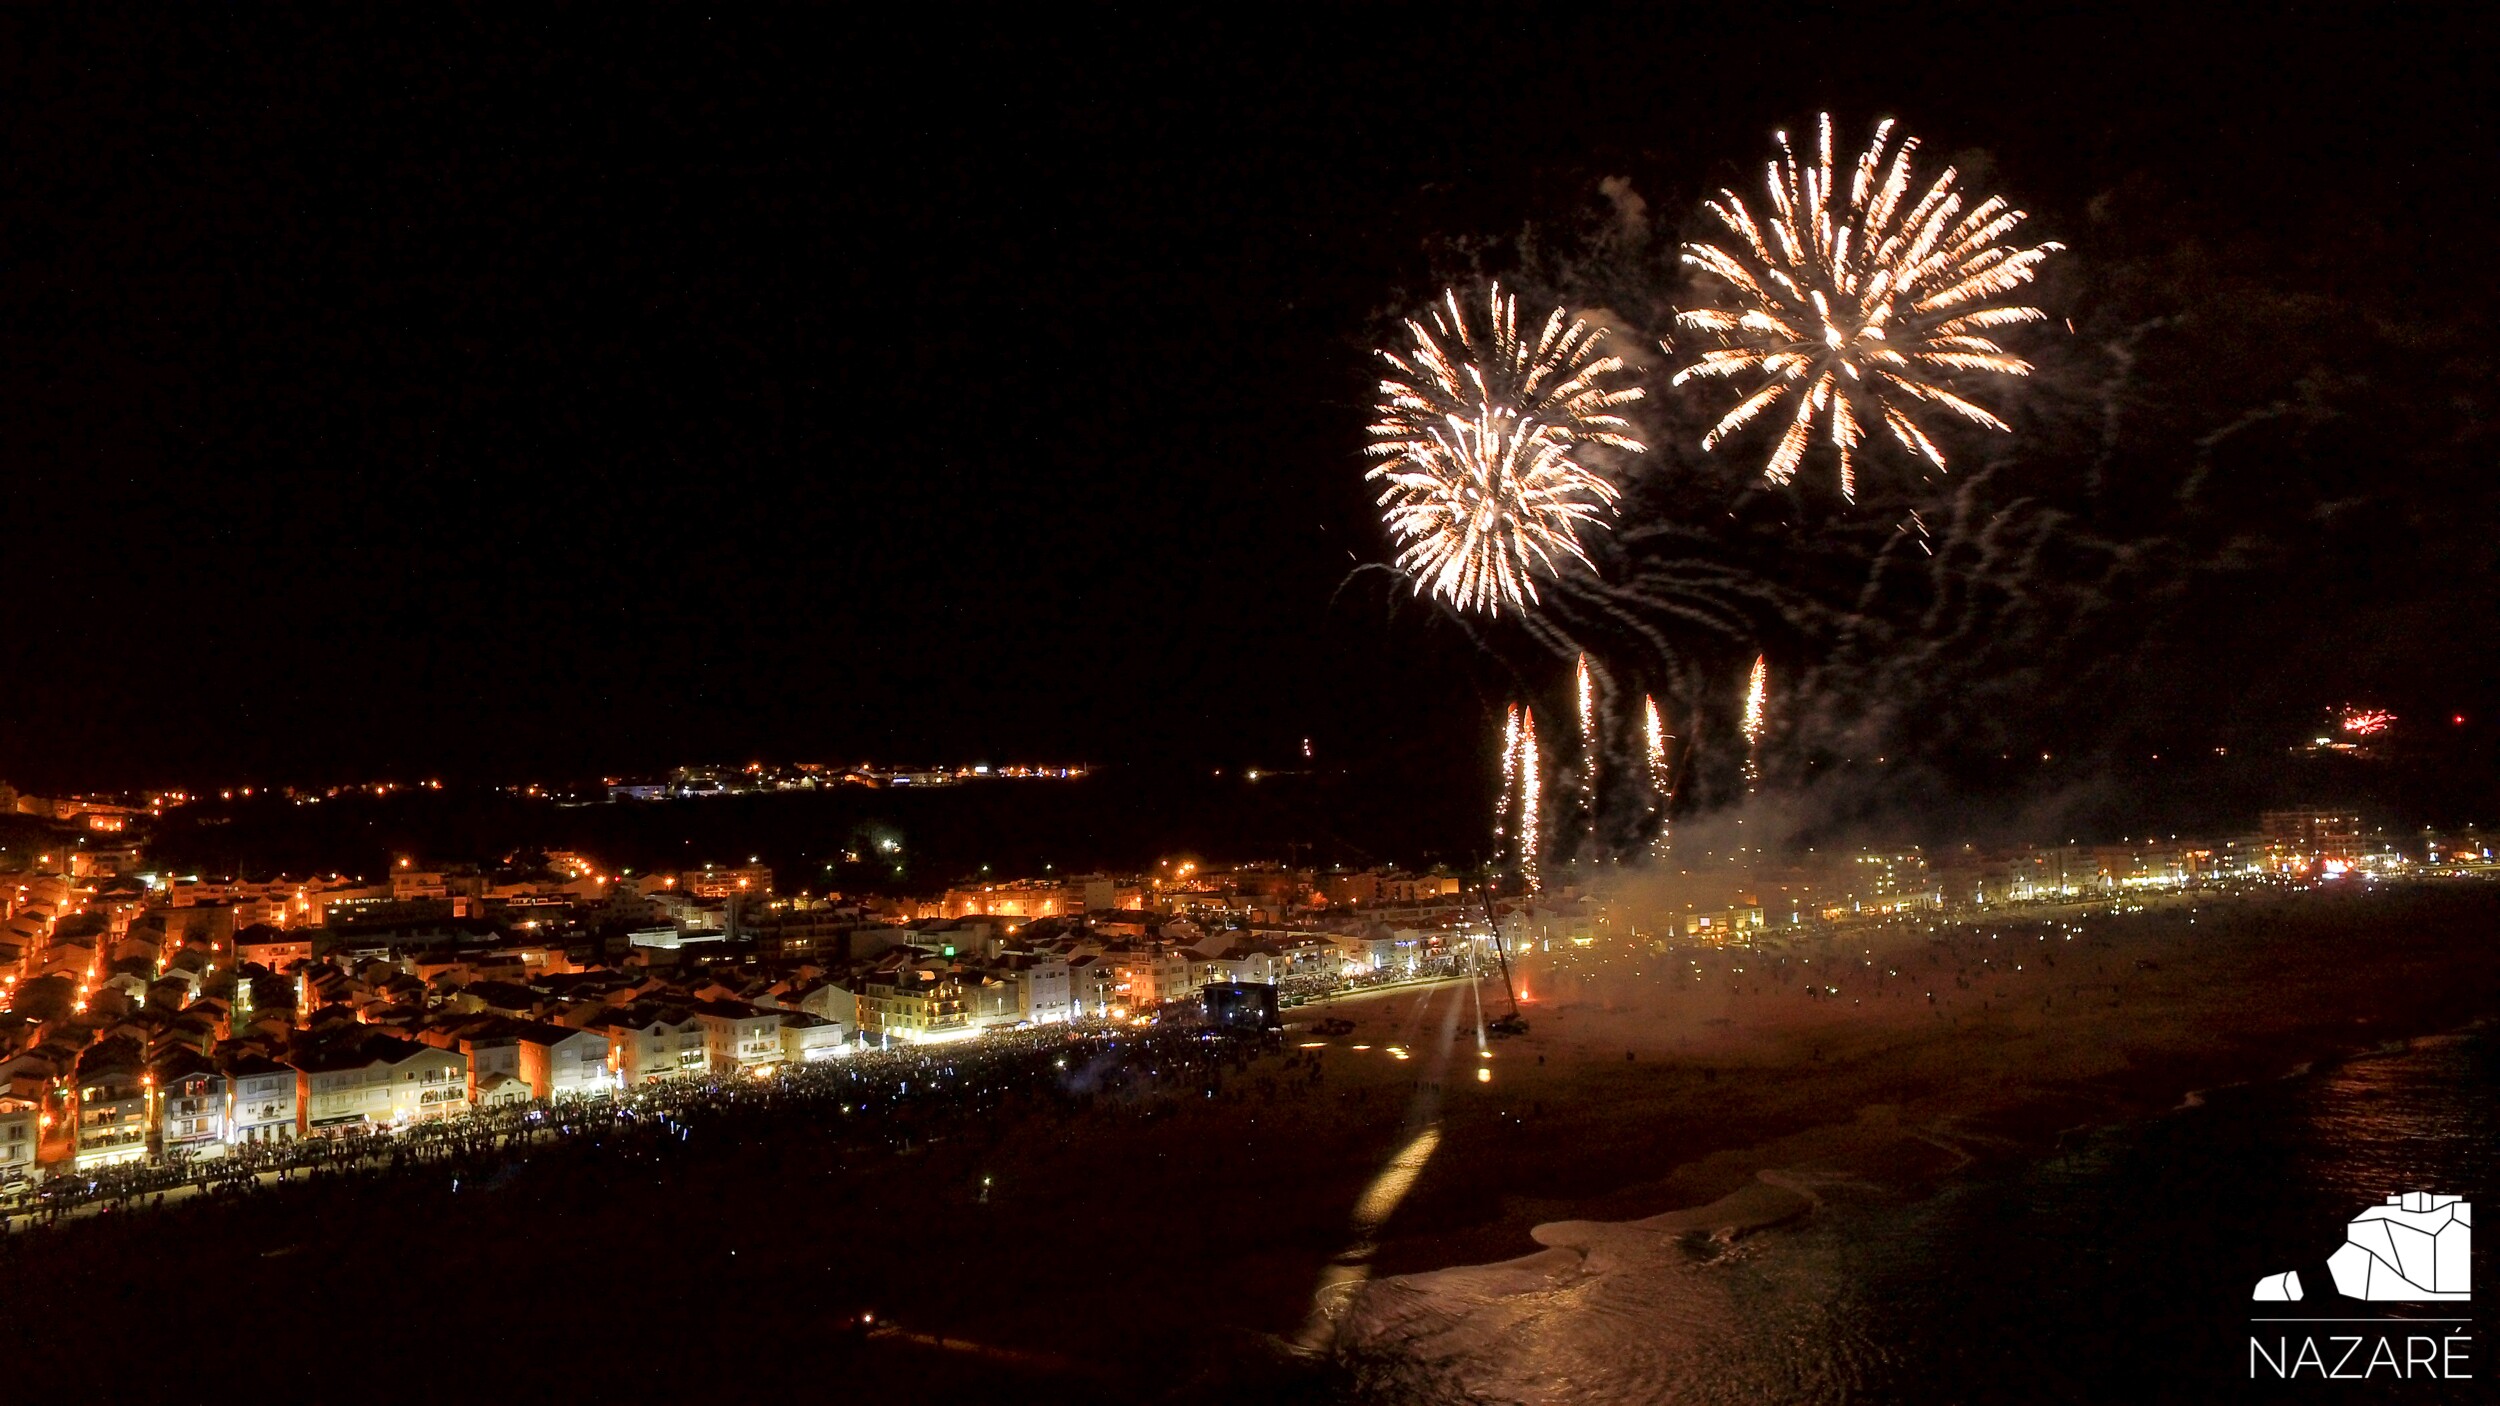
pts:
[2118, 1269]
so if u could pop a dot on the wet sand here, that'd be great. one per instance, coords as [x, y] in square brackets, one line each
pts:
[1732, 1069]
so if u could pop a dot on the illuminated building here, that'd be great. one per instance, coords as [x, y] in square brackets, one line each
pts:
[711, 881]
[806, 1039]
[910, 1003]
[191, 1102]
[2311, 833]
[737, 1037]
[1144, 980]
[1237, 969]
[1726, 925]
[648, 1043]
[112, 1106]
[381, 1082]
[558, 1061]
[1042, 989]
[260, 1100]
[21, 1130]
[1022, 899]
[271, 947]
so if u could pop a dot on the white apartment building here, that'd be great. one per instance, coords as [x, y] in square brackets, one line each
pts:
[827, 1001]
[1257, 968]
[738, 1037]
[21, 1132]
[386, 1082]
[260, 1101]
[1042, 988]
[651, 1046]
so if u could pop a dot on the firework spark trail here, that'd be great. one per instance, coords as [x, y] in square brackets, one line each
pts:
[1486, 435]
[1859, 310]
[1531, 802]
[1757, 699]
[1661, 779]
[1510, 782]
[1588, 749]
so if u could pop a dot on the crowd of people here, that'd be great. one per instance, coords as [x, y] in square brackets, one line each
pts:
[889, 1096]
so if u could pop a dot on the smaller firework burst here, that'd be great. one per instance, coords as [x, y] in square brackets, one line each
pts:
[1485, 438]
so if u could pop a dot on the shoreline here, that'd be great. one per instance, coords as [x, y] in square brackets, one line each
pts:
[1913, 1147]
[1708, 1299]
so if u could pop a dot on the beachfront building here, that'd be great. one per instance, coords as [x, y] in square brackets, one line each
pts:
[806, 1039]
[1144, 980]
[21, 1131]
[650, 1043]
[380, 1082]
[558, 1061]
[1239, 969]
[190, 1105]
[911, 1003]
[1042, 990]
[260, 1100]
[113, 1088]
[112, 1120]
[738, 1037]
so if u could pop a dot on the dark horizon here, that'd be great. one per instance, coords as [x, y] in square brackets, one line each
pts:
[466, 395]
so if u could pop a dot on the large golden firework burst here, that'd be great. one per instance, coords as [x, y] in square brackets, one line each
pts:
[1861, 308]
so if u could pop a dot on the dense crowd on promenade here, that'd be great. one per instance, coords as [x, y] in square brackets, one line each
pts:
[889, 1097]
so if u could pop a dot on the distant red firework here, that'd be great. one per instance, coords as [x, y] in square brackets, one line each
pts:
[2367, 722]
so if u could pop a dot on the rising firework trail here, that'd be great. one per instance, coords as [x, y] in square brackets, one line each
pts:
[1588, 749]
[1504, 803]
[1485, 439]
[1757, 701]
[1661, 776]
[1531, 802]
[1858, 307]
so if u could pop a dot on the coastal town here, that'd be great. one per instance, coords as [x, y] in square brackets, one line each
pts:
[185, 1022]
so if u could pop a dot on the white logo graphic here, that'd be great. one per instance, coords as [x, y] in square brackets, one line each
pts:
[2416, 1247]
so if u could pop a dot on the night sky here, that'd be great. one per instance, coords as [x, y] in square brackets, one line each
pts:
[416, 391]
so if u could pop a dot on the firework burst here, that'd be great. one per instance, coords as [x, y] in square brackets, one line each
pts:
[2366, 722]
[1858, 308]
[1484, 437]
